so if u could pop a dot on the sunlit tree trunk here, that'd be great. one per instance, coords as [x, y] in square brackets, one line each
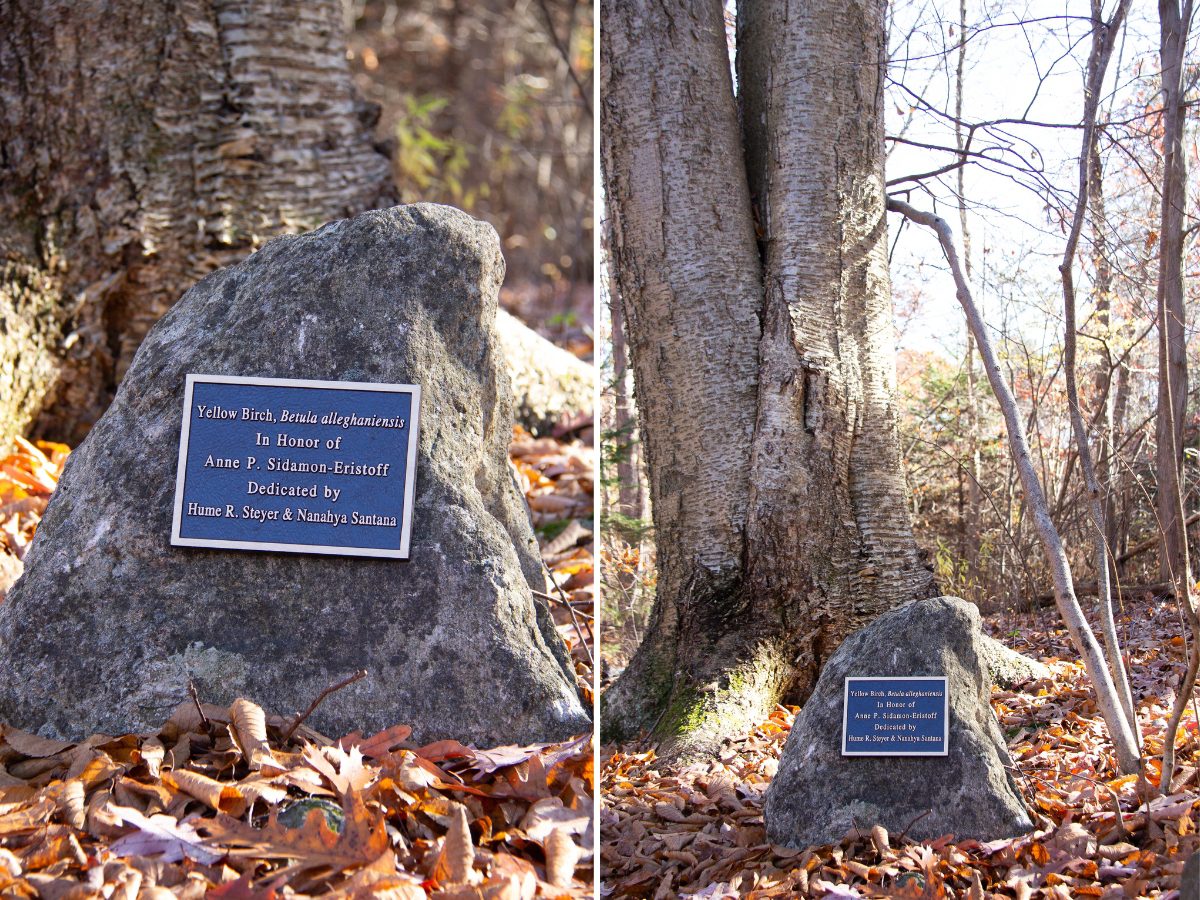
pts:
[144, 144]
[765, 371]
[1172, 381]
[830, 538]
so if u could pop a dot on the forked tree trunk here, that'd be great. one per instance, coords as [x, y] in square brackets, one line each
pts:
[778, 500]
[830, 538]
[143, 144]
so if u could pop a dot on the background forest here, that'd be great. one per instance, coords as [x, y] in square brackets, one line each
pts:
[1006, 86]
[488, 108]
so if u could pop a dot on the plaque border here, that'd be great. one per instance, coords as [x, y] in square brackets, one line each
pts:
[410, 472]
[945, 714]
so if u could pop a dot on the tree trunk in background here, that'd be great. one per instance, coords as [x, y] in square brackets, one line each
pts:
[1174, 25]
[143, 145]
[972, 528]
[777, 494]
[1102, 287]
[1172, 321]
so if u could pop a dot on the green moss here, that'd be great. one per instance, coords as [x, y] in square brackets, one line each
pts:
[642, 690]
[684, 714]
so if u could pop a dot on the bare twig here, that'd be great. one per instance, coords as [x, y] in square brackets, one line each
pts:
[1104, 37]
[196, 699]
[1111, 707]
[574, 619]
[1151, 543]
[900, 839]
[565, 53]
[345, 682]
[568, 603]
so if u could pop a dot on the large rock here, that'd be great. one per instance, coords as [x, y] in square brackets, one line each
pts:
[110, 621]
[548, 382]
[818, 795]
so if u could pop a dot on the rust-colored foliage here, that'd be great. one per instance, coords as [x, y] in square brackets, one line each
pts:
[193, 811]
[28, 475]
[558, 480]
[699, 832]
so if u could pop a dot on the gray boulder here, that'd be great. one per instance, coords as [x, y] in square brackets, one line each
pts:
[1189, 882]
[547, 381]
[109, 621]
[818, 795]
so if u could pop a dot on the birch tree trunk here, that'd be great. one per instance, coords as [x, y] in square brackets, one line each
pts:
[778, 500]
[1174, 21]
[830, 539]
[688, 276]
[143, 145]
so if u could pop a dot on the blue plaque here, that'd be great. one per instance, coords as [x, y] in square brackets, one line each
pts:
[896, 717]
[297, 466]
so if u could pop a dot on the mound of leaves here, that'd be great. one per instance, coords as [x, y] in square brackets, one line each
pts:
[698, 832]
[28, 476]
[230, 803]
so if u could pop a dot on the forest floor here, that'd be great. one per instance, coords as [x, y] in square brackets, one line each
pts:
[698, 832]
[236, 803]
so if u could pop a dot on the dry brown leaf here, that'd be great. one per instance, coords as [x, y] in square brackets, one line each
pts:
[879, 839]
[71, 801]
[248, 726]
[561, 857]
[226, 798]
[20, 818]
[548, 814]
[456, 862]
[33, 745]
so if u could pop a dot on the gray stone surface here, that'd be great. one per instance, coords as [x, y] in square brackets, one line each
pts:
[110, 621]
[1189, 882]
[1008, 668]
[818, 795]
[548, 382]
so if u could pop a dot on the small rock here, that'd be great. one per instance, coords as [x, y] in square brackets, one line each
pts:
[818, 795]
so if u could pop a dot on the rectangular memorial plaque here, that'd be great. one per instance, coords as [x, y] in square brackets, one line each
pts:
[896, 717]
[298, 466]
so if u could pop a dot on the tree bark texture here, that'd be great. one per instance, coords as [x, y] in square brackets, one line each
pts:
[1175, 20]
[764, 368]
[688, 276]
[830, 534]
[1172, 377]
[143, 144]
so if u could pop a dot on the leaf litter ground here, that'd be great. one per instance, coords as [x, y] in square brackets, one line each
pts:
[236, 803]
[698, 832]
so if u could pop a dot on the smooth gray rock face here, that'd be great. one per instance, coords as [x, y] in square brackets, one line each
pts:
[110, 621]
[1189, 882]
[818, 795]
